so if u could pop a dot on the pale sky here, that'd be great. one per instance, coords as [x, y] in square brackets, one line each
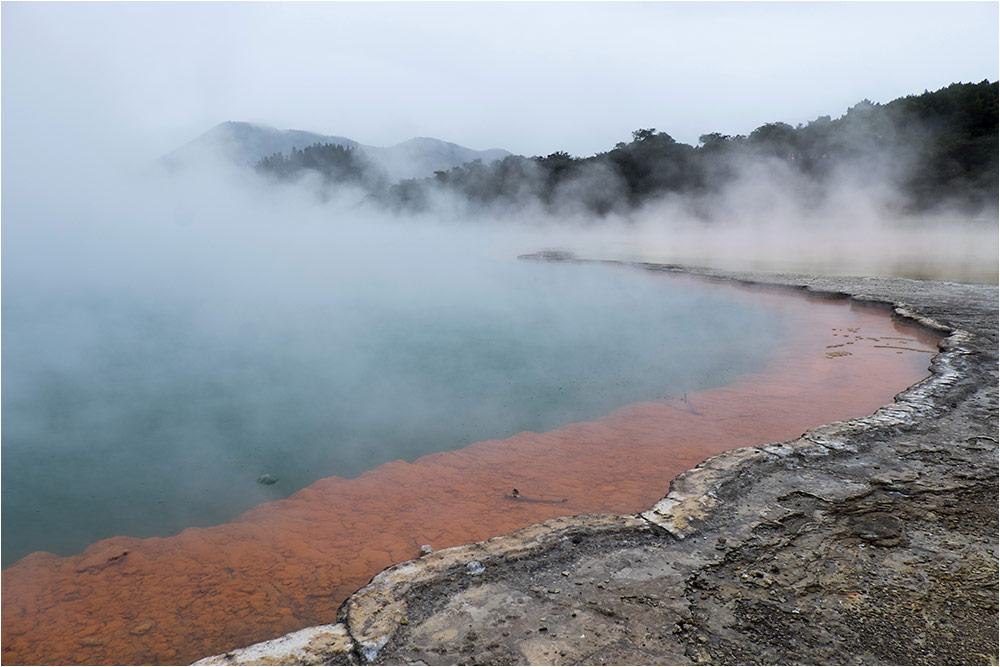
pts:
[136, 80]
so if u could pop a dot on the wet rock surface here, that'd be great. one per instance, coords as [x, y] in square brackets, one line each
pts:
[871, 540]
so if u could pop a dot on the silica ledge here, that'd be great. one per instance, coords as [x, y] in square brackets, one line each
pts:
[869, 540]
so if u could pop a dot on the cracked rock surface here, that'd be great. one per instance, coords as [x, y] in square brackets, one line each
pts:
[872, 540]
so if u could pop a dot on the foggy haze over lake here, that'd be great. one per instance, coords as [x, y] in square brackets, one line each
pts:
[156, 368]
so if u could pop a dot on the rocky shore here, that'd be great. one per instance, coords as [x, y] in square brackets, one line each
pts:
[871, 540]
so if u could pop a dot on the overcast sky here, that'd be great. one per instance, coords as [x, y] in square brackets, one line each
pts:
[135, 80]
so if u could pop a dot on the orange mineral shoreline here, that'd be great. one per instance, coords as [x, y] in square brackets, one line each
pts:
[289, 564]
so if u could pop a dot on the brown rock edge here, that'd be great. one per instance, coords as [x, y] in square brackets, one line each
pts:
[870, 540]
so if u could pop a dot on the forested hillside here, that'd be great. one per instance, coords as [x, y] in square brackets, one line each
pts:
[334, 162]
[936, 148]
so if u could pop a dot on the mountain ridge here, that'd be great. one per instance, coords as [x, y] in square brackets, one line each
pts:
[245, 143]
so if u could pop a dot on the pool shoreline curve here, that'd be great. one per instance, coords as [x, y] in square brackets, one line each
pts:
[721, 522]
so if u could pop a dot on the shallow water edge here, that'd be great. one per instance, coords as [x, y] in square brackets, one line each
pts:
[866, 540]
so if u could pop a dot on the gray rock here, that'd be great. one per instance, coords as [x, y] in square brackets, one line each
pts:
[319, 645]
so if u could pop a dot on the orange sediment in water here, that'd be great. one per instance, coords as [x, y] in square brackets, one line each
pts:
[289, 564]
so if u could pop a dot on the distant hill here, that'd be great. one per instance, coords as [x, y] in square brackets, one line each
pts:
[248, 143]
[933, 150]
[422, 156]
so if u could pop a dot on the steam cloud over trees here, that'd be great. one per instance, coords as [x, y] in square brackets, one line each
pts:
[931, 150]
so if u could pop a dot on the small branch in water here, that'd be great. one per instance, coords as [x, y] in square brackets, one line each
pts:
[908, 349]
[516, 495]
[689, 407]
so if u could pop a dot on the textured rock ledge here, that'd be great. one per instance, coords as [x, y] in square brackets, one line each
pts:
[871, 540]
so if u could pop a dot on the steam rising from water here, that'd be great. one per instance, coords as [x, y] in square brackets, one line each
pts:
[851, 224]
[202, 313]
[170, 342]
[852, 221]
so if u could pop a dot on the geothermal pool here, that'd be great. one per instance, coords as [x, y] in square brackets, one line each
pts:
[586, 387]
[125, 415]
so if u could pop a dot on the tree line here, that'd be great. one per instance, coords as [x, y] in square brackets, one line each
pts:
[334, 163]
[934, 147]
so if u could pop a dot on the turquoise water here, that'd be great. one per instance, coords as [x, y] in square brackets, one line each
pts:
[133, 409]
